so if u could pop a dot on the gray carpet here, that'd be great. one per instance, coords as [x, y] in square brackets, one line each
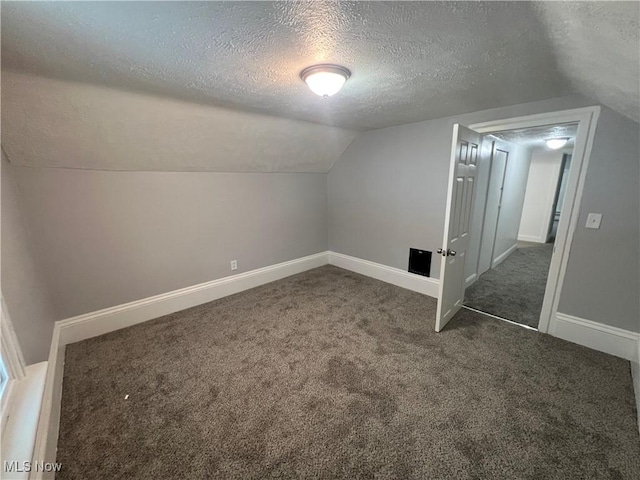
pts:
[514, 289]
[329, 374]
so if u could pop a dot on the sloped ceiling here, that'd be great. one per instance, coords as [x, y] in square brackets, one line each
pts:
[597, 47]
[54, 123]
[239, 61]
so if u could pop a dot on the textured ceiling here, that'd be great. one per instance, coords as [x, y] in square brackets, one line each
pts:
[597, 47]
[411, 61]
[213, 78]
[536, 136]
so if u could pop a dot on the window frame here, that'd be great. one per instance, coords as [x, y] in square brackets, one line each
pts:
[4, 377]
[12, 365]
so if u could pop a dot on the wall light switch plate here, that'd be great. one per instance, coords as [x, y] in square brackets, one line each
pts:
[593, 220]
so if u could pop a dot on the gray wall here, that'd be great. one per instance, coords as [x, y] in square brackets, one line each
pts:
[107, 238]
[388, 192]
[602, 279]
[23, 287]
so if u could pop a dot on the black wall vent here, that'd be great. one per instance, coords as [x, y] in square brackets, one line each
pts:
[420, 262]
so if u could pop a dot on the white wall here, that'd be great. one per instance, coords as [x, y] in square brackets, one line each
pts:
[542, 184]
[23, 285]
[388, 192]
[107, 238]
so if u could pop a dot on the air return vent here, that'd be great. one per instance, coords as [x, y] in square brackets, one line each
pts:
[420, 262]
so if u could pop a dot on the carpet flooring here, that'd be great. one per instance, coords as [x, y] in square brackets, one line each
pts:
[514, 289]
[329, 374]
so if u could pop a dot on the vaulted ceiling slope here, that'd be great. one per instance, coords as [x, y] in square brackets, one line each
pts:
[55, 123]
[410, 61]
[597, 49]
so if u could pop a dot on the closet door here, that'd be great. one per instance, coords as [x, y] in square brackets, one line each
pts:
[499, 160]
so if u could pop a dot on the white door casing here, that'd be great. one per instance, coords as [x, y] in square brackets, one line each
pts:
[587, 119]
[463, 172]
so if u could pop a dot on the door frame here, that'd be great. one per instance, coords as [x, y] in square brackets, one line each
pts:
[587, 119]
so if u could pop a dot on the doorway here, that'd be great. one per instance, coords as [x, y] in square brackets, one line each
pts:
[461, 219]
[518, 206]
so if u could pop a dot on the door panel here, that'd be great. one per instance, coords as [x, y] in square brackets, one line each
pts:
[462, 183]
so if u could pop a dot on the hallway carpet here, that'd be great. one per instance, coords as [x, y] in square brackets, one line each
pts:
[329, 374]
[514, 289]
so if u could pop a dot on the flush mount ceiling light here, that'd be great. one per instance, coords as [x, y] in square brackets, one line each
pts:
[556, 143]
[325, 80]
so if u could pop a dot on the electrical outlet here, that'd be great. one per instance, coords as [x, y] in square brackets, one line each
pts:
[593, 220]
[234, 264]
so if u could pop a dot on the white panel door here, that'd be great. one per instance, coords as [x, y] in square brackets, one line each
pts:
[462, 185]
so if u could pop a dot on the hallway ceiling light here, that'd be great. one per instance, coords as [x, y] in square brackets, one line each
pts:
[556, 143]
[325, 80]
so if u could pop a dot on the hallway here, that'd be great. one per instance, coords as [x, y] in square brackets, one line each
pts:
[514, 290]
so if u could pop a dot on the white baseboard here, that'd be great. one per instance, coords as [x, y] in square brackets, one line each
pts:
[110, 319]
[471, 279]
[531, 238]
[604, 338]
[601, 337]
[502, 257]
[395, 276]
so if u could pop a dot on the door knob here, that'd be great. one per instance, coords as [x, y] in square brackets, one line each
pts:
[451, 253]
[441, 252]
